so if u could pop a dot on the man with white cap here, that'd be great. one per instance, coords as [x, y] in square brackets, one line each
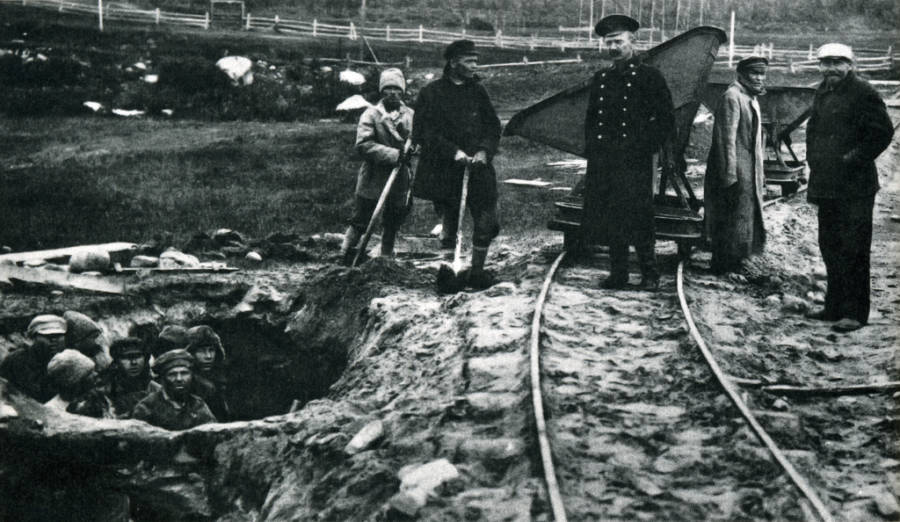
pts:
[26, 367]
[381, 136]
[74, 377]
[735, 183]
[848, 128]
[630, 117]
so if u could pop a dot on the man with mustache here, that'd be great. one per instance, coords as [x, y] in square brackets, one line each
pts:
[174, 407]
[630, 115]
[735, 183]
[848, 128]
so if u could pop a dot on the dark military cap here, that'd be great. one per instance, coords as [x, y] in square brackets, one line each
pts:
[460, 48]
[616, 23]
[120, 347]
[752, 61]
[173, 359]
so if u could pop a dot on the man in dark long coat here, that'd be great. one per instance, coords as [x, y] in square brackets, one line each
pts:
[848, 128]
[629, 116]
[735, 181]
[456, 125]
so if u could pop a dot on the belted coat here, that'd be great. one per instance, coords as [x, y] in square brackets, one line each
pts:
[451, 117]
[734, 185]
[380, 136]
[629, 116]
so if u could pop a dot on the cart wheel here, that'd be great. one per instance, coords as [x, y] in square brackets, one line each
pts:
[789, 189]
[684, 250]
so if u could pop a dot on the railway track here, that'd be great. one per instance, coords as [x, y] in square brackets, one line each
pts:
[626, 387]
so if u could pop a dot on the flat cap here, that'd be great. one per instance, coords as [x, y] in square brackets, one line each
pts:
[460, 48]
[173, 359]
[67, 368]
[79, 327]
[835, 50]
[616, 23]
[47, 324]
[752, 61]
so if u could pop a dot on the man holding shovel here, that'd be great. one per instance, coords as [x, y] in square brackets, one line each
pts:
[381, 136]
[459, 132]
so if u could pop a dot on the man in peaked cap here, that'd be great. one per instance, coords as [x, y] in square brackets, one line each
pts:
[26, 367]
[456, 126]
[735, 182]
[630, 116]
[174, 407]
[381, 138]
[130, 381]
[848, 128]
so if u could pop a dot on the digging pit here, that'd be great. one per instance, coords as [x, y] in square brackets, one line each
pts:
[314, 354]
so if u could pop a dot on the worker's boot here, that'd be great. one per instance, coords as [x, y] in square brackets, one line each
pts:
[388, 237]
[646, 254]
[479, 277]
[348, 247]
[618, 267]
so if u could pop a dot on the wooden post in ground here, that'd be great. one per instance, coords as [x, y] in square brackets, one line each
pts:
[157, 16]
[99, 11]
[247, 26]
[206, 21]
[315, 27]
[590, 20]
[731, 43]
[421, 34]
[387, 32]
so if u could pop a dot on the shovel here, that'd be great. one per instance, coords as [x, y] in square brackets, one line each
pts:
[379, 206]
[449, 279]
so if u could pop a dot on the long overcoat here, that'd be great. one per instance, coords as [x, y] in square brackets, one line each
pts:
[380, 136]
[734, 218]
[629, 116]
[448, 118]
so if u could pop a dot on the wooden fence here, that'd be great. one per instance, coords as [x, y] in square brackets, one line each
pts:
[794, 60]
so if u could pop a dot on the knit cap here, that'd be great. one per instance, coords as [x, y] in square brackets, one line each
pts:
[392, 77]
[68, 368]
[173, 359]
[79, 327]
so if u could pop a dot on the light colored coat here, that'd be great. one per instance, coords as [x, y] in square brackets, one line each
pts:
[735, 180]
[380, 136]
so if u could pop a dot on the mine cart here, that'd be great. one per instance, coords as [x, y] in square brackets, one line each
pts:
[685, 61]
[784, 109]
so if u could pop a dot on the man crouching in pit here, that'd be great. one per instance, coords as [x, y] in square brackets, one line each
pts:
[174, 407]
[130, 382]
[381, 136]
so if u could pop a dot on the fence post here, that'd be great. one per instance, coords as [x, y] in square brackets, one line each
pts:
[206, 21]
[315, 27]
[277, 21]
[408, 61]
[99, 12]
[499, 38]
[810, 57]
[387, 33]
[421, 34]
[157, 16]
[352, 34]
[891, 55]
[771, 50]
[247, 26]
[60, 5]
[731, 43]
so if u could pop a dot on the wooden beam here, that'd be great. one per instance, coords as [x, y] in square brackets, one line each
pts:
[61, 279]
[65, 253]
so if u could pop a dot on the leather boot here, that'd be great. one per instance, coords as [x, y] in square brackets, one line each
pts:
[649, 273]
[479, 278]
[348, 247]
[388, 237]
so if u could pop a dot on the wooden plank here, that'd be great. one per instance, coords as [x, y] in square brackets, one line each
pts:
[112, 248]
[61, 279]
[185, 270]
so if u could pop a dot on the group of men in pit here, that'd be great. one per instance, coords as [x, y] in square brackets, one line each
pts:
[629, 119]
[66, 367]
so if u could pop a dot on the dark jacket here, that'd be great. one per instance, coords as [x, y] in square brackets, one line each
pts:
[26, 369]
[848, 128]
[211, 388]
[629, 116]
[159, 410]
[448, 118]
[126, 393]
[735, 182]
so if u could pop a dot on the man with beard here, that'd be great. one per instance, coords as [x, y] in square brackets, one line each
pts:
[174, 407]
[848, 128]
[209, 377]
[456, 126]
[381, 135]
[26, 367]
[630, 116]
[735, 182]
[130, 382]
